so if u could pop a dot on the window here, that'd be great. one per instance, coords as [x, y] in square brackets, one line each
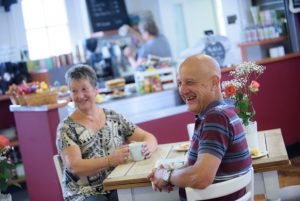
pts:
[46, 27]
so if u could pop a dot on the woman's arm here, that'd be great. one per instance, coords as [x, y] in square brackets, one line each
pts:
[73, 161]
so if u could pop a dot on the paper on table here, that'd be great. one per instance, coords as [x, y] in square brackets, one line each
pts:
[171, 163]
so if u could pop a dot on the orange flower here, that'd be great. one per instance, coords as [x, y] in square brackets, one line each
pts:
[254, 86]
[4, 141]
[230, 90]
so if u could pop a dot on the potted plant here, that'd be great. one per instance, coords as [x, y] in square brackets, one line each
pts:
[5, 168]
[240, 90]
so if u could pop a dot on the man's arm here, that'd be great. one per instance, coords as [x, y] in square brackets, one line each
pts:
[199, 175]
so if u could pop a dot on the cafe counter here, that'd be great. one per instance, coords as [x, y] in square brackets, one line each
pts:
[36, 128]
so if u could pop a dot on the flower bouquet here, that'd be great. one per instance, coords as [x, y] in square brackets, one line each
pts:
[5, 166]
[240, 89]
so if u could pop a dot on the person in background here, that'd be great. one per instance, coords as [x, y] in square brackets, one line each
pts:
[92, 140]
[153, 43]
[218, 150]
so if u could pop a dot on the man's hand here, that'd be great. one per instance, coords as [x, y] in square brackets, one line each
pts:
[157, 182]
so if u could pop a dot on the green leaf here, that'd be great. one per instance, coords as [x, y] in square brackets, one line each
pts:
[243, 105]
[239, 96]
[5, 175]
[17, 185]
[6, 165]
[3, 185]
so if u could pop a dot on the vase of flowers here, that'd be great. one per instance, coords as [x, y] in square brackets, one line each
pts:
[5, 168]
[240, 90]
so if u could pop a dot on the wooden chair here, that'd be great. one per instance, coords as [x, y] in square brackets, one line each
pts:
[225, 188]
[59, 168]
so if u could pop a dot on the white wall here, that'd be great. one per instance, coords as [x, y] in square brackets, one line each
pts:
[12, 34]
[198, 15]
[234, 32]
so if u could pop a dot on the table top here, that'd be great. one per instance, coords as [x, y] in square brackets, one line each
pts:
[134, 174]
[277, 157]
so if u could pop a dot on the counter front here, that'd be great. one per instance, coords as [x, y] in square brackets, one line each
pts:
[36, 128]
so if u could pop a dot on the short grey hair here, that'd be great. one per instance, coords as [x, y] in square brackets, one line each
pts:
[148, 25]
[81, 71]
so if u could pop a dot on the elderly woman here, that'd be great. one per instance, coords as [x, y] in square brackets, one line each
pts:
[93, 140]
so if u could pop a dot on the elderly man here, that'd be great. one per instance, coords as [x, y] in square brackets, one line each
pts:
[218, 149]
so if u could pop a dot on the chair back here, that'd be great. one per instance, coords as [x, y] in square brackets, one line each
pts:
[59, 168]
[190, 129]
[225, 188]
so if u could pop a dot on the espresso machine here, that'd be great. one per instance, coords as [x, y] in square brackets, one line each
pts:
[105, 55]
[101, 63]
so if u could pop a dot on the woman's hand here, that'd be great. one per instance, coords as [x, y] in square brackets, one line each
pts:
[119, 156]
[148, 149]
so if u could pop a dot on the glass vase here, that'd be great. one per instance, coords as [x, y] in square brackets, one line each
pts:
[251, 134]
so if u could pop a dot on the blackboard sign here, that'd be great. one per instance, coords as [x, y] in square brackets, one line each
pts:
[107, 15]
[215, 50]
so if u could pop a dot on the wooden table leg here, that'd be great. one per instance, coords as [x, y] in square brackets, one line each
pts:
[271, 185]
[147, 194]
[125, 194]
[267, 183]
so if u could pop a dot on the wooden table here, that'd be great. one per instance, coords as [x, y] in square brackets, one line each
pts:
[132, 184]
[265, 168]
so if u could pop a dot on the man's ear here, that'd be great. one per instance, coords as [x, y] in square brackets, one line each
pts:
[215, 80]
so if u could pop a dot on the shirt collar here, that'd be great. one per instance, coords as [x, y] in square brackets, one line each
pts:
[211, 105]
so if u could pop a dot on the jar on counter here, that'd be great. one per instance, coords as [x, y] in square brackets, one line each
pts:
[147, 85]
[260, 33]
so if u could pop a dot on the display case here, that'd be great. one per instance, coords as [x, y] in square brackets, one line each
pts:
[155, 80]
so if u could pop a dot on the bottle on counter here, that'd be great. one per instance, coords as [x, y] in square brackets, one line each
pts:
[147, 85]
[253, 32]
[260, 33]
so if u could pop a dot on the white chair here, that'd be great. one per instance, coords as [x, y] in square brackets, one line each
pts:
[290, 193]
[190, 128]
[59, 168]
[225, 188]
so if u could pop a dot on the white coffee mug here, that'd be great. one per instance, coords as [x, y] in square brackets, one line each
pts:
[135, 150]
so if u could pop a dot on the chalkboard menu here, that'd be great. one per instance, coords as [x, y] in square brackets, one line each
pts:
[107, 15]
[215, 50]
